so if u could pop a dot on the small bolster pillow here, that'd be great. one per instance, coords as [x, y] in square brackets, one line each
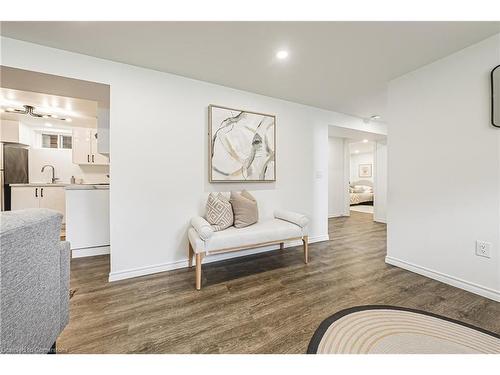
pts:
[204, 229]
[292, 217]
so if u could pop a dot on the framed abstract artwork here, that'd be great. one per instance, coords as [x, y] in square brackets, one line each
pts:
[242, 145]
[495, 96]
[365, 170]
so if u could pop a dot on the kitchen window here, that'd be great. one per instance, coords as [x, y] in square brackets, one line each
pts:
[56, 141]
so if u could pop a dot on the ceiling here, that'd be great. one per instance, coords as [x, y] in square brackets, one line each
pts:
[81, 112]
[353, 135]
[361, 147]
[340, 66]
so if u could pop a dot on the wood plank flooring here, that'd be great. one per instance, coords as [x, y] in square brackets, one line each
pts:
[264, 303]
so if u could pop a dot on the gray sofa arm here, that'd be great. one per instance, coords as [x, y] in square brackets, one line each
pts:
[292, 217]
[202, 227]
[32, 313]
[64, 268]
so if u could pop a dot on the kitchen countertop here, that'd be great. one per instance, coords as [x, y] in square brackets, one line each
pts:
[87, 187]
[40, 184]
[65, 186]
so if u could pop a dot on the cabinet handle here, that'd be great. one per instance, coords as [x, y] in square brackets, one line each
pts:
[41, 192]
[36, 192]
[92, 158]
[88, 158]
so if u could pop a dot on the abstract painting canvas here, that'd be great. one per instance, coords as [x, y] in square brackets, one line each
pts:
[242, 145]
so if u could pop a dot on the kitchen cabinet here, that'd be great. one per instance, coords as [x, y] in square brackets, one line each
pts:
[53, 197]
[96, 157]
[14, 132]
[85, 147]
[23, 197]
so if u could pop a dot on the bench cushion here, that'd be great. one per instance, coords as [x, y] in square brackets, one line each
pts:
[261, 232]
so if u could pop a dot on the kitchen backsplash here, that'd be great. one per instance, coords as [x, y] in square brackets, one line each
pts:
[62, 161]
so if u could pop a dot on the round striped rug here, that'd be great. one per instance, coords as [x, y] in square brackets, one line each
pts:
[398, 330]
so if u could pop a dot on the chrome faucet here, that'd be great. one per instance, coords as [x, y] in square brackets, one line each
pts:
[54, 178]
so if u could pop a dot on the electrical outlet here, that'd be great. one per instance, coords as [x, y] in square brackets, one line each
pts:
[483, 249]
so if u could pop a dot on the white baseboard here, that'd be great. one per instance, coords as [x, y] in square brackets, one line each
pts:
[447, 279]
[379, 220]
[338, 215]
[335, 215]
[90, 251]
[183, 263]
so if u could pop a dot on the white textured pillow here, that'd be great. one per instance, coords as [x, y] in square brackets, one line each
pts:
[363, 189]
[219, 211]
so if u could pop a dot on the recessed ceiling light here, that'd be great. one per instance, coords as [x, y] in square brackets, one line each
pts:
[68, 120]
[54, 116]
[48, 124]
[365, 140]
[45, 116]
[356, 152]
[10, 109]
[375, 117]
[282, 54]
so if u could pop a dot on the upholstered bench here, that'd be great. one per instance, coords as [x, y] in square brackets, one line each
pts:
[203, 240]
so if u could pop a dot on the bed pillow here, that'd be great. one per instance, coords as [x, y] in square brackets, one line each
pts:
[219, 211]
[363, 189]
[245, 209]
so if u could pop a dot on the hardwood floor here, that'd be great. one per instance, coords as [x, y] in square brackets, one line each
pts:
[264, 303]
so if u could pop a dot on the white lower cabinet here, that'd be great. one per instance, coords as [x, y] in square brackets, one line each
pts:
[52, 197]
[23, 197]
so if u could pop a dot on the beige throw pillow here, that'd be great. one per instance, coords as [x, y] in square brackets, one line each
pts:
[245, 209]
[219, 211]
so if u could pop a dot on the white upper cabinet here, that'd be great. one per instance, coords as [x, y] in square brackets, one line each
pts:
[85, 147]
[14, 132]
[81, 146]
[96, 157]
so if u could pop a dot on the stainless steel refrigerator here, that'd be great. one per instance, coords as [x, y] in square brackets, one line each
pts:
[14, 170]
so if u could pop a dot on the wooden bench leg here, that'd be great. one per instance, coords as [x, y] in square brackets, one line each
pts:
[282, 245]
[190, 255]
[199, 258]
[305, 240]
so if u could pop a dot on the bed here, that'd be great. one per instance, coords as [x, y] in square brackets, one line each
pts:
[361, 192]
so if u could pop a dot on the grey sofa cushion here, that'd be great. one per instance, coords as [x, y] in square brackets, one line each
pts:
[34, 271]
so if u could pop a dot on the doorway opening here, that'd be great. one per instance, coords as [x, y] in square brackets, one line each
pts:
[54, 139]
[357, 174]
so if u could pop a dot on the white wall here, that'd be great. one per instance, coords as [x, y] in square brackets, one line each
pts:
[62, 161]
[337, 184]
[444, 170]
[380, 182]
[158, 148]
[356, 160]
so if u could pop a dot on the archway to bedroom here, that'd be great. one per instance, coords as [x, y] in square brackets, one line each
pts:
[357, 183]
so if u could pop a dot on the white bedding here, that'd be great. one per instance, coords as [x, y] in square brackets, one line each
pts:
[357, 198]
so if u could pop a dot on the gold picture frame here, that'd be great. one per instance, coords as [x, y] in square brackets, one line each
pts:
[259, 149]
